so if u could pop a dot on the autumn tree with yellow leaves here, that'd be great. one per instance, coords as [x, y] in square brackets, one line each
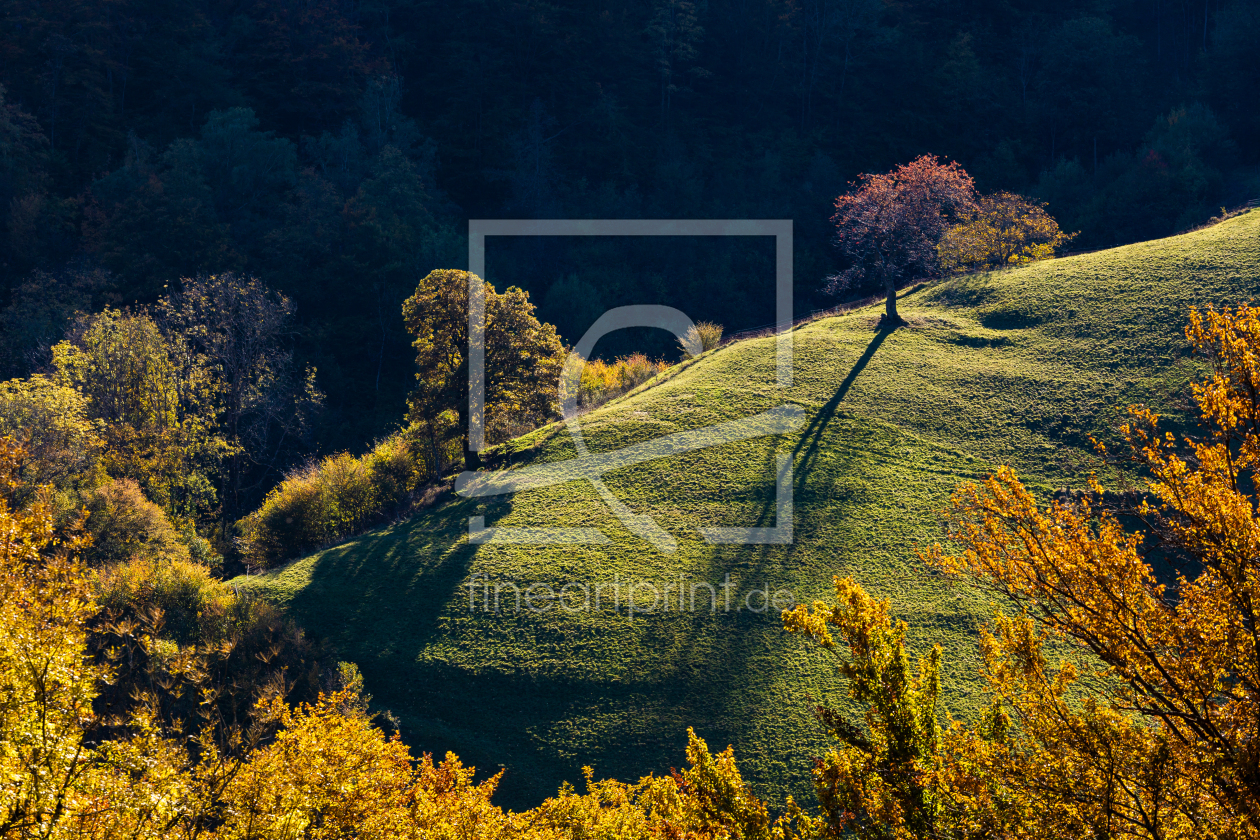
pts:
[1002, 229]
[1125, 702]
[522, 360]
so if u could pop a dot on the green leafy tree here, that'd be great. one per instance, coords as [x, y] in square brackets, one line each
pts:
[23, 169]
[156, 403]
[155, 220]
[43, 307]
[523, 358]
[248, 171]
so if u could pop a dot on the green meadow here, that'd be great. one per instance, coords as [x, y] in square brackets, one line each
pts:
[1016, 367]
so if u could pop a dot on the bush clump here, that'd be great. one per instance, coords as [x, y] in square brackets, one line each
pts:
[601, 381]
[184, 592]
[125, 525]
[156, 614]
[332, 499]
[705, 335]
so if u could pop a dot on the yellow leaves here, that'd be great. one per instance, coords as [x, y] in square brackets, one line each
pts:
[810, 623]
[331, 773]
[318, 771]
[47, 685]
[1004, 230]
[601, 381]
[879, 783]
[708, 800]
[1070, 562]
[1162, 745]
[1158, 744]
[523, 357]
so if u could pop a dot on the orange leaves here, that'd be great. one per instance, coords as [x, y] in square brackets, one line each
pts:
[1231, 340]
[1164, 745]
[602, 381]
[1081, 571]
[46, 683]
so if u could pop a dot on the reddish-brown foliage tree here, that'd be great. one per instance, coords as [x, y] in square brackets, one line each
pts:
[888, 226]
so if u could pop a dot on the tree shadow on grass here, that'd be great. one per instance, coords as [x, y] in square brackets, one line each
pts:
[807, 447]
[720, 706]
[394, 603]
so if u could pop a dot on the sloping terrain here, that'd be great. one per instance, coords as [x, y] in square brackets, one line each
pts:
[1016, 367]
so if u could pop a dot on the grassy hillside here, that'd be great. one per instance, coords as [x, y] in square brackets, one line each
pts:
[1015, 367]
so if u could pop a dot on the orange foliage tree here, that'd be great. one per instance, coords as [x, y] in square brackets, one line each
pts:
[1148, 725]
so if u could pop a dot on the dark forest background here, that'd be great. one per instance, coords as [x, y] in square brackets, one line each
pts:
[335, 150]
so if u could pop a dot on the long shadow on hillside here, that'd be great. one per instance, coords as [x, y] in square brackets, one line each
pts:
[813, 433]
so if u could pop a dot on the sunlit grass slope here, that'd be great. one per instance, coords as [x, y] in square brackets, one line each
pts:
[1015, 367]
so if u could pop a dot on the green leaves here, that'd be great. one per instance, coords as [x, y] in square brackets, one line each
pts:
[523, 357]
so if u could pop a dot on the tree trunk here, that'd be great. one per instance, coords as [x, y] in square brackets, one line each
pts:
[890, 303]
[472, 460]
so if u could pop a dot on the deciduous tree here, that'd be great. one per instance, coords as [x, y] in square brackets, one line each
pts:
[1004, 229]
[877, 783]
[237, 329]
[60, 445]
[888, 226]
[155, 404]
[523, 358]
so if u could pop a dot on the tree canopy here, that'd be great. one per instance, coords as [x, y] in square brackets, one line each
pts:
[523, 358]
[1003, 230]
[888, 226]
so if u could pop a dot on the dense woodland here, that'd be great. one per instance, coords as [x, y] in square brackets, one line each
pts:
[231, 261]
[334, 150]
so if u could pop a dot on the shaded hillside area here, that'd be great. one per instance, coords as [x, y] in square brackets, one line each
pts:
[1016, 367]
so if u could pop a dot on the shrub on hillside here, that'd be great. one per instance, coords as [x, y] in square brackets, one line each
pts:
[184, 592]
[169, 629]
[706, 335]
[125, 525]
[601, 381]
[333, 499]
